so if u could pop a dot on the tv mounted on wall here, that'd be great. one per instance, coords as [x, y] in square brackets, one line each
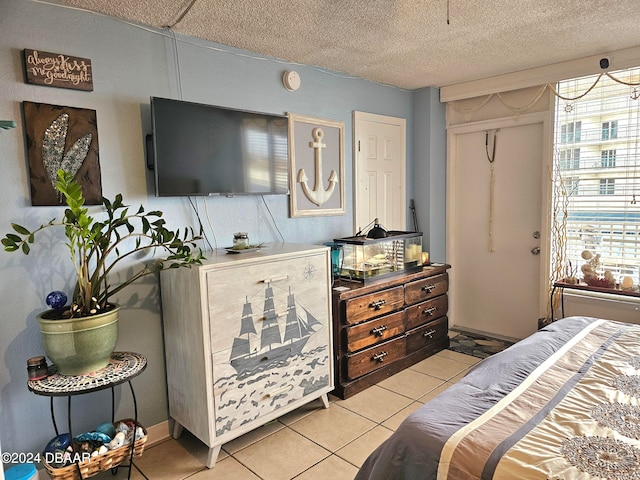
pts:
[209, 150]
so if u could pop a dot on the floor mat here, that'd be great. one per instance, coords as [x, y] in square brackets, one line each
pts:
[477, 345]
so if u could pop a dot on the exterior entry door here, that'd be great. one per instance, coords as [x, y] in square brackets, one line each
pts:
[379, 171]
[495, 236]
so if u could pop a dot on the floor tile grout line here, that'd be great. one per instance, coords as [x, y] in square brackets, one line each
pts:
[442, 382]
[330, 452]
[298, 474]
[370, 419]
[333, 454]
[245, 466]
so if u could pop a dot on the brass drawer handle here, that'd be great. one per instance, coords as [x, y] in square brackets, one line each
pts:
[377, 305]
[428, 288]
[378, 330]
[429, 334]
[429, 311]
[379, 357]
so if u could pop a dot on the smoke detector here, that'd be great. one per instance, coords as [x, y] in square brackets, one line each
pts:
[291, 80]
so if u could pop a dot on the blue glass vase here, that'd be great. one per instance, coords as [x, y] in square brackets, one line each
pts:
[336, 257]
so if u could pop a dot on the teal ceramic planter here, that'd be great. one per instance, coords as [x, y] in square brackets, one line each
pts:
[79, 346]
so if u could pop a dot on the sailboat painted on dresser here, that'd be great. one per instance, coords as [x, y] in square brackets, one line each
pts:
[274, 349]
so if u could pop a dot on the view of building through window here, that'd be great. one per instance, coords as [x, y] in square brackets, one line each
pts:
[597, 154]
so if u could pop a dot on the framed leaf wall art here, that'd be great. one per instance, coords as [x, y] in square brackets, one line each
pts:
[64, 138]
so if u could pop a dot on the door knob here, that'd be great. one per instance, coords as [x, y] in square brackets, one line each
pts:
[535, 250]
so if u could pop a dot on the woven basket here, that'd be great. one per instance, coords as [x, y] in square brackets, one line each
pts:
[99, 463]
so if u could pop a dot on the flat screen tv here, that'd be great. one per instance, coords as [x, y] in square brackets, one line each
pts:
[209, 150]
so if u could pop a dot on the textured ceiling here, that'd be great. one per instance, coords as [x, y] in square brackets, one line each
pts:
[406, 43]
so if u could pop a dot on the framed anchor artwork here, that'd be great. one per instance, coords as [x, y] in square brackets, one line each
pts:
[316, 156]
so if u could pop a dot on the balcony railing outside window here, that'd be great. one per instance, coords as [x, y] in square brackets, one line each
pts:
[597, 148]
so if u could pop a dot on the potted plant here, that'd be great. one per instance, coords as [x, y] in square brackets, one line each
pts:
[80, 337]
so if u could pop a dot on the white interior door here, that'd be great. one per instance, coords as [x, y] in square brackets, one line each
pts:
[379, 171]
[496, 277]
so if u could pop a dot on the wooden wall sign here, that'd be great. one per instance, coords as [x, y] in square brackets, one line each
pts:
[58, 70]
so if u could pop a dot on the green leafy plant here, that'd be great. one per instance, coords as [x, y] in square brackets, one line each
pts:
[96, 247]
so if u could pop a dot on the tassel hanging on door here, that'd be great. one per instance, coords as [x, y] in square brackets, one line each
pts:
[491, 157]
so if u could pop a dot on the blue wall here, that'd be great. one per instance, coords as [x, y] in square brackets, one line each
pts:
[130, 64]
[429, 170]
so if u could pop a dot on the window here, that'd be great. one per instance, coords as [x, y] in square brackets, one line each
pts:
[608, 159]
[594, 188]
[610, 130]
[571, 132]
[607, 186]
[570, 159]
[572, 184]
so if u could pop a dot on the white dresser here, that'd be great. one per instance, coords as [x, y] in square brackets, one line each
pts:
[247, 339]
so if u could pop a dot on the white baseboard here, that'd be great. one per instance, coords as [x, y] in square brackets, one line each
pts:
[158, 433]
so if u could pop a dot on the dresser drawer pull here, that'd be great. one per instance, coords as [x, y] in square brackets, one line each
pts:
[377, 305]
[429, 311]
[429, 334]
[378, 330]
[278, 278]
[428, 288]
[278, 391]
[379, 357]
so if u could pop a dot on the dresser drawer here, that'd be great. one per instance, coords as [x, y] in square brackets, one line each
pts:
[421, 313]
[252, 301]
[426, 288]
[432, 333]
[375, 357]
[239, 400]
[373, 305]
[374, 331]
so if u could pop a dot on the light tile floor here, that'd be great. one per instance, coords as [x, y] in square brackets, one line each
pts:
[310, 443]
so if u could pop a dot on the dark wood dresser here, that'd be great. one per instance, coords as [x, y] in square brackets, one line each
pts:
[383, 328]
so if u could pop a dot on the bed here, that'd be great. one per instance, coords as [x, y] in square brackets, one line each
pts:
[562, 404]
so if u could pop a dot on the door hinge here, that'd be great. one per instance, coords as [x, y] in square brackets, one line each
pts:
[358, 145]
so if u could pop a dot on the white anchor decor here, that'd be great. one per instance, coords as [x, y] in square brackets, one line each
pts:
[317, 166]
[318, 195]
